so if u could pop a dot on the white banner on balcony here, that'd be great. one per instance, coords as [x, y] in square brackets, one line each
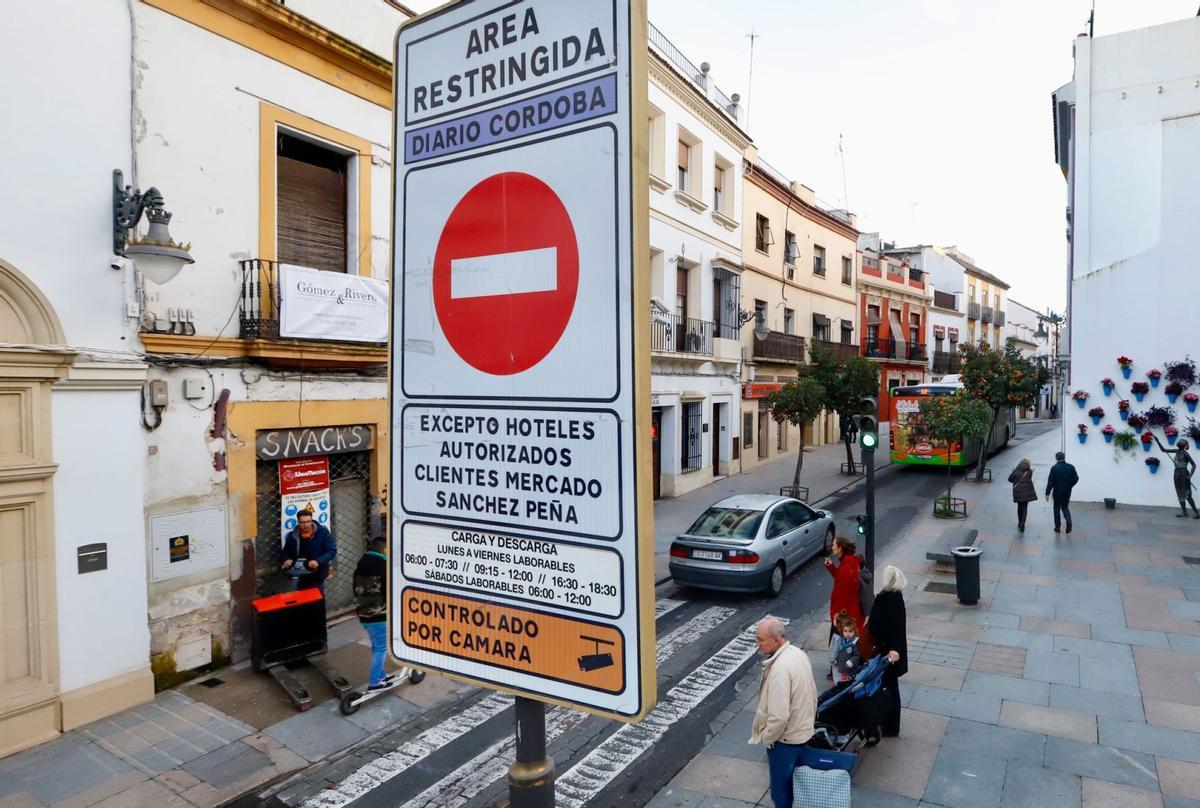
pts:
[331, 305]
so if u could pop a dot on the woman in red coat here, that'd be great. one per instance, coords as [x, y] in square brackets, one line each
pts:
[845, 583]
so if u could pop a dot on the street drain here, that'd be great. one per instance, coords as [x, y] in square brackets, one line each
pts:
[212, 681]
[941, 588]
[1191, 559]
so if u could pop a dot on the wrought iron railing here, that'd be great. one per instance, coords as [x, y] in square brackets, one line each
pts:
[916, 351]
[881, 348]
[670, 332]
[987, 314]
[838, 350]
[999, 315]
[260, 305]
[945, 362]
[779, 347]
[676, 57]
[973, 311]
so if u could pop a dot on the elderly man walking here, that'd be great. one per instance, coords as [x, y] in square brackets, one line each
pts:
[787, 707]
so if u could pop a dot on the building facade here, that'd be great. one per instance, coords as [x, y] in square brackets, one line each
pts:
[1127, 138]
[799, 283]
[894, 301]
[1022, 330]
[695, 161]
[946, 327]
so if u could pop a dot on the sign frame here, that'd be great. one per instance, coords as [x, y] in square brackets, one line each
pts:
[633, 363]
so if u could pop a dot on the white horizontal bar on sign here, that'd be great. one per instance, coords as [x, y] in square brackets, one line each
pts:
[511, 273]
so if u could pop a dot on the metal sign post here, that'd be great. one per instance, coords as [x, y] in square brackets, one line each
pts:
[520, 378]
[868, 440]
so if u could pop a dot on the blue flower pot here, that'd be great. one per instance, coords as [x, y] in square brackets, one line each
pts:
[1172, 397]
[1107, 437]
[1139, 429]
[1155, 380]
[1171, 439]
[1082, 437]
[1153, 469]
[1126, 372]
[1096, 420]
[1146, 446]
[1191, 405]
[1108, 389]
[1082, 402]
[1139, 396]
[1124, 415]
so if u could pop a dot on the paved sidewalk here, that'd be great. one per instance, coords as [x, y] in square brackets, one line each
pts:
[822, 475]
[1074, 682]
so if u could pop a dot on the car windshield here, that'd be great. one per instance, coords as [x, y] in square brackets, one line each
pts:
[727, 523]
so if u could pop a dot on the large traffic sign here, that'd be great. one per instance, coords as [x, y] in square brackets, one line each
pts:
[522, 553]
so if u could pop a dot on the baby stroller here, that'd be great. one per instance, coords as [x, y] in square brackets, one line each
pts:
[848, 719]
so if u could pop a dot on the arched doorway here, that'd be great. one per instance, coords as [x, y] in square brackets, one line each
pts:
[32, 357]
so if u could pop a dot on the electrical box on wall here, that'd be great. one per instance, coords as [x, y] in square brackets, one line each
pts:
[195, 389]
[158, 393]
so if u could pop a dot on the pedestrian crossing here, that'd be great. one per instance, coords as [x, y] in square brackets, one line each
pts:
[581, 783]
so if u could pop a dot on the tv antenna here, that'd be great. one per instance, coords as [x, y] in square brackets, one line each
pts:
[750, 79]
[842, 153]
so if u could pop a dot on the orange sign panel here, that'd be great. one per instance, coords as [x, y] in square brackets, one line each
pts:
[565, 649]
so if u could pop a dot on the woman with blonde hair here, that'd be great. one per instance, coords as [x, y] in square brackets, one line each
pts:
[887, 626]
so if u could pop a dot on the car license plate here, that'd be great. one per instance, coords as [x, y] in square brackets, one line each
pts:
[708, 555]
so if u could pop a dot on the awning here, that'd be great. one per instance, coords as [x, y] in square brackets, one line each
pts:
[872, 319]
[939, 331]
[821, 321]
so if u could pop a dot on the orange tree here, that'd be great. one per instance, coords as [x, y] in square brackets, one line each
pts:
[1001, 379]
[798, 403]
[845, 381]
[950, 418]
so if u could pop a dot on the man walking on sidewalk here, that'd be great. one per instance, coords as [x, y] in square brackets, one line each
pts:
[787, 707]
[1059, 483]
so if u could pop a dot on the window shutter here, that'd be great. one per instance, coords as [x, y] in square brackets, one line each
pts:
[311, 205]
[684, 154]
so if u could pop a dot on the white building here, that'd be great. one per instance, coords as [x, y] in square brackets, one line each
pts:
[148, 499]
[72, 560]
[696, 157]
[946, 327]
[1127, 137]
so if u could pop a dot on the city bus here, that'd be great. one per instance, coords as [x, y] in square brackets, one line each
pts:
[910, 441]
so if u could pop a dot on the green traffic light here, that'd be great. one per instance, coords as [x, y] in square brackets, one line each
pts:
[868, 440]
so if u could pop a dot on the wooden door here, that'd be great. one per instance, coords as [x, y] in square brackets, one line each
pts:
[715, 427]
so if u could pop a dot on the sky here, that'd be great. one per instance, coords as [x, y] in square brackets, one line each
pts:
[942, 108]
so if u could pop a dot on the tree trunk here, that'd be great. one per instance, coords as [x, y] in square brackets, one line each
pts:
[987, 445]
[799, 460]
[949, 468]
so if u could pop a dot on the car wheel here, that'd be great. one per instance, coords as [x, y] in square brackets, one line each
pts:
[829, 534]
[775, 583]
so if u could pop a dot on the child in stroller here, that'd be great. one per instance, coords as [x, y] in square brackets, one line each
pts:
[849, 713]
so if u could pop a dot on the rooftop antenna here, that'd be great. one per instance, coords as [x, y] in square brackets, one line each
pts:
[842, 154]
[750, 79]
[1092, 20]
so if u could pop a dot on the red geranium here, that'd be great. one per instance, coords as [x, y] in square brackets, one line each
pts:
[1083, 429]
[1124, 361]
[1147, 437]
[1107, 429]
[1123, 405]
[1192, 397]
[1154, 373]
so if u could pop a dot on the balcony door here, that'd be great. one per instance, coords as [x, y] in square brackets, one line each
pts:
[312, 204]
[681, 308]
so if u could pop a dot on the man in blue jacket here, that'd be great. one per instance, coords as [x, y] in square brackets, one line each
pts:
[1059, 482]
[313, 545]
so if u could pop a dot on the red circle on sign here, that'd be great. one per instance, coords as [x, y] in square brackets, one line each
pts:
[509, 224]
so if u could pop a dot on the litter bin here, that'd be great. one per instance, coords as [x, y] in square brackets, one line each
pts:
[966, 573]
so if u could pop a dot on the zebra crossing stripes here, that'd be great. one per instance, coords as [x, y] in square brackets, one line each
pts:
[587, 778]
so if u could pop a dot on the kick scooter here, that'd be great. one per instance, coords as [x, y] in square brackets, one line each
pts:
[357, 698]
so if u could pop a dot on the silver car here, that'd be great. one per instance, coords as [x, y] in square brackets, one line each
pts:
[750, 543]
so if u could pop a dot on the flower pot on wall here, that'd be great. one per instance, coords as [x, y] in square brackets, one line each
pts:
[1153, 469]
[1096, 419]
[1107, 436]
[1172, 397]
[1191, 405]
[1171, 439]
[1154, 381]
[1138, 396]
[1146, 446]
[1124, 415]
[1126, 372]
[1082, 402]
[1108, 388]
[1082, 438]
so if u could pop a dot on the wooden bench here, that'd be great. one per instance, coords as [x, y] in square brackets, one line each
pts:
[951, 537]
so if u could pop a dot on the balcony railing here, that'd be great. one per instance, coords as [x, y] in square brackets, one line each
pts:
[987, 314]
[839, 350]
[881, 348]
[999, 317]
[259, 312]
[916, 352]
[779, 347]
[945, 362]
[973, 311]
[670, 332]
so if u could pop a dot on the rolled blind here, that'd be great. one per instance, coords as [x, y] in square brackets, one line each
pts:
[311, 205]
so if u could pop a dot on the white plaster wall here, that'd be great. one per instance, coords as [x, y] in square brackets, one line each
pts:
[66, 127]
[198, 102]
[369, 23]
[947, 274]
[1131, 292]
[98, 498]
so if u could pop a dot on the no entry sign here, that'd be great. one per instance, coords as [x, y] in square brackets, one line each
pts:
[522, 553]
[505, 273]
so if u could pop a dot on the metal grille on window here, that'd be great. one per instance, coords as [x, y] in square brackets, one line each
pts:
[350, 506]
[729, 286]
[748, 430]
[692, 429]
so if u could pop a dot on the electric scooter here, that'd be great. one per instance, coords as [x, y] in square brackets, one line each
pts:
[357, 698]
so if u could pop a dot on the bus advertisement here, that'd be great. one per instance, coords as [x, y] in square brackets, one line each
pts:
[910, 439]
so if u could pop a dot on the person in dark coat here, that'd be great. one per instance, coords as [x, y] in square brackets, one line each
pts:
[1059, 482]
[1023, 491]
[370, 594]
[887, 624]
[314, 545]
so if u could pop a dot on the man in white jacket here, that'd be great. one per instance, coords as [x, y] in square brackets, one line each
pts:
[787, 707]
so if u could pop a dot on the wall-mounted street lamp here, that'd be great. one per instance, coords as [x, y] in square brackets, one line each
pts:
[158, 256]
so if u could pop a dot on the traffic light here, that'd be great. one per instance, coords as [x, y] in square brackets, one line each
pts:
[868, 422]
[861, 526]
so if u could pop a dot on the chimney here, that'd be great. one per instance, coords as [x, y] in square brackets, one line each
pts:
[807, 195]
